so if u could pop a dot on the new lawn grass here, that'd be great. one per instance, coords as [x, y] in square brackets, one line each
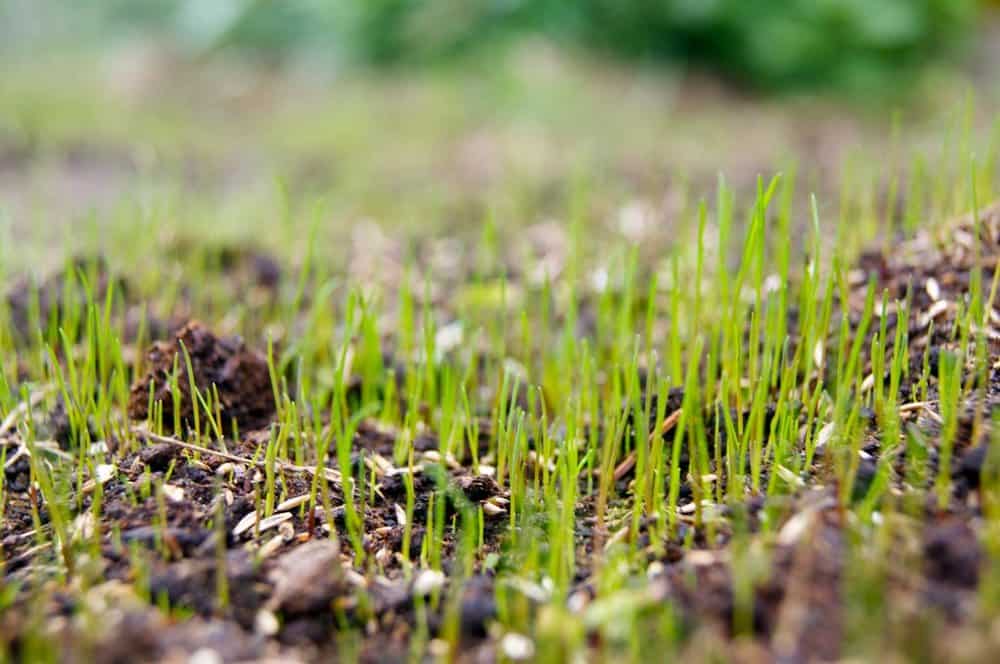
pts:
[713, 428]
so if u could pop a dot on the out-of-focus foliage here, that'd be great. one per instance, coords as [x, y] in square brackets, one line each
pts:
[780, 43]
[766, 43]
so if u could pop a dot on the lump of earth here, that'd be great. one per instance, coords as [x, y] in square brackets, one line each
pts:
[252, 265]
[970, 467]
[307, 578]
[239, 374]
[952, 555]
[59, 292]
[158, 456]
[479, 487]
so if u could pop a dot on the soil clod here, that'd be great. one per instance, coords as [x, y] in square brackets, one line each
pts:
[239, 375]
[307, 578]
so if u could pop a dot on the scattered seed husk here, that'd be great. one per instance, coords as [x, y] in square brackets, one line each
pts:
[273, 521]
[292, 503]
[245, 524]
[103, 473]
[517, 647]
[427, 582]
[270, 547]
[174, 493]
[266, 623]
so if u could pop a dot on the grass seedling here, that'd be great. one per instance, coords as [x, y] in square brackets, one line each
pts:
[659, 389]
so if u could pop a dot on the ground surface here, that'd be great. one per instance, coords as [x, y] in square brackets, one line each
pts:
[475, 377]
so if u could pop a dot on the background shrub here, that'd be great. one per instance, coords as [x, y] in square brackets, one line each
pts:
[762, 43]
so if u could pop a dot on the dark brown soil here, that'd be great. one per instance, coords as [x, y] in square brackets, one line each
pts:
[30, 302]
[240, 375]
[292, 591]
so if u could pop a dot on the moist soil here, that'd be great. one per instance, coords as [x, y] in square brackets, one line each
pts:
[165, 558]
[240, 378]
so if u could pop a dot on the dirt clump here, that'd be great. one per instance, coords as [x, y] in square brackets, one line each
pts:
[251, 266]
[239, 375]
[32, 303]
[307, 578]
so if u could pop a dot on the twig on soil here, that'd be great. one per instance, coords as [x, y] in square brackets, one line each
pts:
[328, 473]
[628, 463]
[49, 446]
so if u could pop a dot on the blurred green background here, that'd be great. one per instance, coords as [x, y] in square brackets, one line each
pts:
[425, 118]
[764, 44]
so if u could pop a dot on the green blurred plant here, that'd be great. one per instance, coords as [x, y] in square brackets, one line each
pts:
[784, 43]
[764, 43]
